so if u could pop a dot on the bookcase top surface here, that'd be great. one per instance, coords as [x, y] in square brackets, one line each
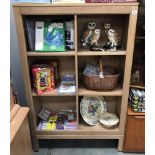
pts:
[72, 5]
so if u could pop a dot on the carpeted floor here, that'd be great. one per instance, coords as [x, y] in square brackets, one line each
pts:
[80, 147]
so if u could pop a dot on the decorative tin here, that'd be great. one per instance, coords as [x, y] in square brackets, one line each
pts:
[108, 119]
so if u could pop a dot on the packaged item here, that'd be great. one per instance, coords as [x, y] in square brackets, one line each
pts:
[56, 72]
[137, 99]
[44, 114]
[49, 37]
[42, 125]
[70, 119]
[60, 121]
[52, 76]
[67, 84]
[41, 78]
[69, 35]
[52, 122]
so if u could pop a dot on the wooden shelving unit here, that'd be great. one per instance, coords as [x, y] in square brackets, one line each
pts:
[121, 15]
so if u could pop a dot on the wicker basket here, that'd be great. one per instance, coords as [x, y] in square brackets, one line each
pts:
[109, 82]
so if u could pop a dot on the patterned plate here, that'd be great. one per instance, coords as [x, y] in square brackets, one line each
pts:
[108, 119]
[91, 107]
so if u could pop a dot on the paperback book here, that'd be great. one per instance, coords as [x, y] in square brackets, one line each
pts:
[49, 37]
[109, 1]
[67, 1]
[30, 34]
[33, 1]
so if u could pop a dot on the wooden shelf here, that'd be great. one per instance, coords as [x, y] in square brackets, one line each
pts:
[53, 93]
[140, 86]
[68, 53]
[84, 91]
[130, 112]
[96, 53]
[82, 132]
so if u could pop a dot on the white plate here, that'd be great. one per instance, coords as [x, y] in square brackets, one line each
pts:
[91, 107]
[108, 119]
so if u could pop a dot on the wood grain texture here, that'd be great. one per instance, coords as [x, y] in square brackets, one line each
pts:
[135, 134]
[75, 62]
[25, 70]
[70, 10]
[17, 122]
[13, 111]
[128, 67]
[98, 53]
[44, 54]
[120, 144]
[130, 112]
[21, 143]
[84, 91]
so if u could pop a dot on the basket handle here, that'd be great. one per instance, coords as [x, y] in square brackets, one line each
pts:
[101, 68]
[100, 65]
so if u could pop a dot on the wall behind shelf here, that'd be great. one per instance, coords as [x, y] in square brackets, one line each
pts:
[15, 61]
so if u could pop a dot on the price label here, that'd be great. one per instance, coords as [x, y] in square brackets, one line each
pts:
[134, 12]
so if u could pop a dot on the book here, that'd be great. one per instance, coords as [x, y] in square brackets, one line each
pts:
[33, 1]
[30, 34]
[109, 1]
[49, 37]
[67, 1]
[97, 1]
[123, 1]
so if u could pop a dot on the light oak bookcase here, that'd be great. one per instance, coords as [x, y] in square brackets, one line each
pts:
[123, 17]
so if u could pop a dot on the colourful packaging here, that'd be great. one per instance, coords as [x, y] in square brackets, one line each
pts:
[49, 37]
[41, 78]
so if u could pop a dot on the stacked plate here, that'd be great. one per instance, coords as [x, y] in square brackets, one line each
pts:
[93, 110]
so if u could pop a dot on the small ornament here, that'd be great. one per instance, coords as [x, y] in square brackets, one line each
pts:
[113, 42]
[88, 34]
[107, 27]
[112, 37]
[135, 77]
[94, 46]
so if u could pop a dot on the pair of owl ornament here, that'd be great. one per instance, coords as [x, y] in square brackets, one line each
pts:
[91, 36]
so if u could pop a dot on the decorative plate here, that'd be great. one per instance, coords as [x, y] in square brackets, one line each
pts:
[91, 107]
[108, 119]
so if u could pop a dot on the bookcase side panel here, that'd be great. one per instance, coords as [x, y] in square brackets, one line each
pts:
[25, 70]
[128, 66]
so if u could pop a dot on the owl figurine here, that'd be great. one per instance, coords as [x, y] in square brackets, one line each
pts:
[107, 26]
[113, 41]
[94, 46]
[86, 38]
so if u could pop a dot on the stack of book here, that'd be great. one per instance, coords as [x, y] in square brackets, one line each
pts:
[67, 1]
[137, 100]
[75, 1]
